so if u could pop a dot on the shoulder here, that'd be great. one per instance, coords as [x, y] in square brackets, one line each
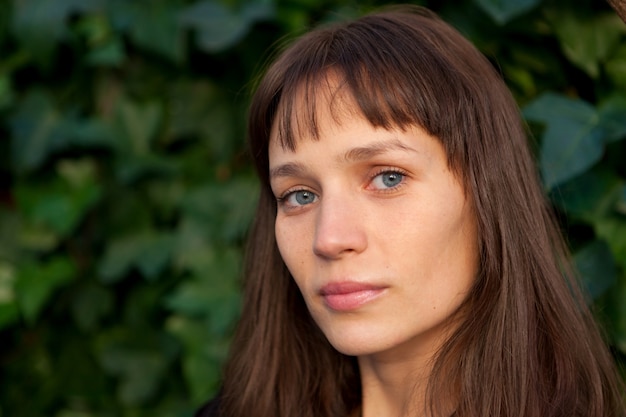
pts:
[210, 409]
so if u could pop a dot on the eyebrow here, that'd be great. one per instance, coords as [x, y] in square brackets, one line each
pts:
[291, 169]
[358, 154]
[364, 153]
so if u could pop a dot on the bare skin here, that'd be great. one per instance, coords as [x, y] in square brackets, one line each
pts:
[379, 236]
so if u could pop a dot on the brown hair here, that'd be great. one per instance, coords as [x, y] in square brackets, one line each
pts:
[528, 345]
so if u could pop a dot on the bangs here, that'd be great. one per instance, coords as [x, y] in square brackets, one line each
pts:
[382, 74]
[392, 69]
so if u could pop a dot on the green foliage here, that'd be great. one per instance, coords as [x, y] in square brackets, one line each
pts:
[126, 191]
[218, 27]
[576, 133]
[504, 10]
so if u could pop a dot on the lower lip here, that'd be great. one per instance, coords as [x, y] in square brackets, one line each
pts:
[352, 300]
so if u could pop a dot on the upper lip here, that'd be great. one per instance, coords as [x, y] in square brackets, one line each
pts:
[347, 287]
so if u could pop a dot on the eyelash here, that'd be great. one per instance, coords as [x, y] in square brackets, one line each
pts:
[282, 199]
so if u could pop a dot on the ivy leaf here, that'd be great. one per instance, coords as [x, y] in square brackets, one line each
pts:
[203, 357]
[613, 230]
[616, 67]
[9, 311]
[91, 303]
[612, 114]
[218, 27]
[40, 24]
[149, 253]
[92, 133]
[7, 95]
[225, 209]
[110, 54]
[36, 282]
[131, 169]
[587, 41]
[138, 358]
[201, 109]
[140, 373]
[202, 372]
[59, 206]
[105, 46]
[152, 25]
[597, 267]
[502, 11]
[36, 130]
[573, 140]
[9, 234]
[621, 204]
[137, 125]
[590, 196]
[213, 291]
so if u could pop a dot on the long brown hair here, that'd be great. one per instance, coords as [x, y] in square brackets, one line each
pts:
[527, 345]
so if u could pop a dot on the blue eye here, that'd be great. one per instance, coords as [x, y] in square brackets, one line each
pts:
[388, 179]
[300, 198]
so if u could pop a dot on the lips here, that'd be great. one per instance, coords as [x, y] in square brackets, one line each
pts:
[346, 296]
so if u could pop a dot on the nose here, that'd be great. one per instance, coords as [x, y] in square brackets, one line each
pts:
[340, 229]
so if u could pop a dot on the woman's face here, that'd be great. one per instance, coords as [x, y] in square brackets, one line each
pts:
[376, 231]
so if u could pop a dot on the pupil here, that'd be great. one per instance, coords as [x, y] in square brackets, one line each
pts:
[391, 179]
[303, 197]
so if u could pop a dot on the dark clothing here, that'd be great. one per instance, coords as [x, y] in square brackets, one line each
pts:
[211, 409]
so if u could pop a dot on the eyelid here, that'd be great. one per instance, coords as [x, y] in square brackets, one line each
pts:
[384, 169]
[289, 191]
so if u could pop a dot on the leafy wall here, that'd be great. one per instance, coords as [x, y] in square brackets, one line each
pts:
[125, 189]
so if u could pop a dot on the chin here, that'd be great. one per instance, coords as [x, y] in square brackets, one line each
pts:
[357, 345]
[350, 349]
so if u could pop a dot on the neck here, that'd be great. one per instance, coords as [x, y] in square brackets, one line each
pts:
[394, 382]
[394, 388]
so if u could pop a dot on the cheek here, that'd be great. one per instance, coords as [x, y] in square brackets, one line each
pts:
[282, 242]
[292, 244]
[284, 239]
[439, 241]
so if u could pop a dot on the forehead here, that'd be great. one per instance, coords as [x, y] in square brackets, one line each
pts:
[300, 114]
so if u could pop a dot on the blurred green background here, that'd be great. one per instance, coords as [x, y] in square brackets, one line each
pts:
[126, 191]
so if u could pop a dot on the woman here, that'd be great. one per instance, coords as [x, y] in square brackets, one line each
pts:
[403, 260]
